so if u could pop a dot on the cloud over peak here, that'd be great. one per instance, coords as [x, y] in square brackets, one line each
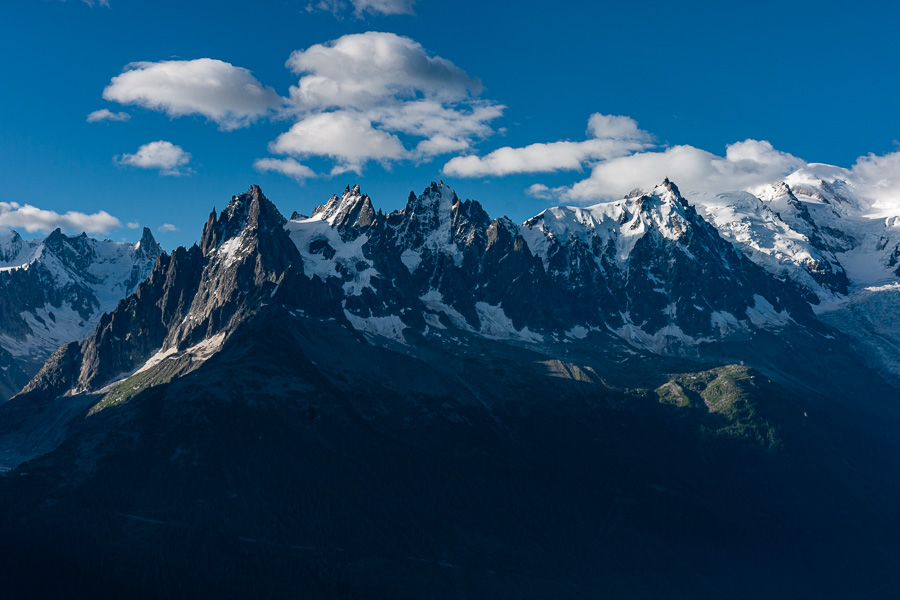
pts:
[745, 166]
[225, 94]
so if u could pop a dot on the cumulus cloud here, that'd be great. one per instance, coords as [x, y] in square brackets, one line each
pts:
[287, 166]
[877, 178]
[616, 127]
[168, 158]
[380, 96]
[539, 190]
[612, 136]
[33, 219]
[365, 69]
[167, 228]
[133, 225]
[104, 114]
[445, 128]
[363, 97]
[225, 94]
[746, 165]
[346, 136]
[749, 165]
[362, 7]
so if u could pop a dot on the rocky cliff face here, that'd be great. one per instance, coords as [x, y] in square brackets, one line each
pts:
[245, 261]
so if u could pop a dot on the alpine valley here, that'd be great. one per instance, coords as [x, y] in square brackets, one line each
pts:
[666, 395]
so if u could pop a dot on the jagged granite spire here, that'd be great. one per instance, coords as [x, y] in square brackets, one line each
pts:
[352, 209]
[236, 215]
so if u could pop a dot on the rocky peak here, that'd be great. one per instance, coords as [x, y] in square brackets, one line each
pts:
[427, 219]
[11, 245]
[663, 210]
[76, 252]
[147, 246]
[776, 190]
[781, 194]
[469, 221]
[55, 240]
[262, 214]
[436, 197]
[251, 208]
[351, 209]
[249, 258]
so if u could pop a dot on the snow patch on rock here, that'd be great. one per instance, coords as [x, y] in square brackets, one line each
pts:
[495, 324]
[390, 327]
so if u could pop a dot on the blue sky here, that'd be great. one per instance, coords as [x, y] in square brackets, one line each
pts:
[391, 100]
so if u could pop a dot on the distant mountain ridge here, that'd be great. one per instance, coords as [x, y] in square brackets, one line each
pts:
[53, 290]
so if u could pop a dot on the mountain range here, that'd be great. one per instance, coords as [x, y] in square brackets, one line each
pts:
[360, 403]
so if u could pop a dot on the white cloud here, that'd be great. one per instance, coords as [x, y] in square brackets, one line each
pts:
[33, 219]
[133, 225]
[104, 114]
[746, 165]
[446, 128]
[287, 166]
[613, 136]
[228, 95]
[539, 190]
[165, 156]
[346, 136]
[362, 97]
[877, 178]
[616, 127]
[383, 7]
[365, 69]
[91, 3]
[167, 228]
[380, 96]
[361, 7]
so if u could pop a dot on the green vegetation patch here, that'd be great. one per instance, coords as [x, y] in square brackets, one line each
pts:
[731, 394]
[672, 393]
[159, 374]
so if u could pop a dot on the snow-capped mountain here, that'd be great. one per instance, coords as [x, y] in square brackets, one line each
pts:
[647, 271]
[629, 266]
[656, 270]
[841, 249]
[813, 229]
[54, 290]
[657, 273]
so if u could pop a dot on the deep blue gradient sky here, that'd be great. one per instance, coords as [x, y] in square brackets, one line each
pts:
[817, 80]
